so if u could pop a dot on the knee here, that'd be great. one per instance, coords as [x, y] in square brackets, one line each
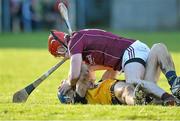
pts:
[159, 47]
[157, 50]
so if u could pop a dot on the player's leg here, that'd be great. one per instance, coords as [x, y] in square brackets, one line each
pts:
[124, 93]
[129, 94]
[160, 57]
[85, 81]
[153, 65]
[134, 61]
[152, 72]
[109, 74]
[135, 77]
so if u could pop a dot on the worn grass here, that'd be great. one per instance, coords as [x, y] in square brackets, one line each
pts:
[24, 57]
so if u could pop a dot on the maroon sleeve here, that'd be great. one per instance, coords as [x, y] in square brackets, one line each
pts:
[76, 44]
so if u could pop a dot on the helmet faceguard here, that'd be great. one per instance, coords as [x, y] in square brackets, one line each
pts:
[71, 96]
[68, 97]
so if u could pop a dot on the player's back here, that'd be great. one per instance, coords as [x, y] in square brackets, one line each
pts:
[99, 47]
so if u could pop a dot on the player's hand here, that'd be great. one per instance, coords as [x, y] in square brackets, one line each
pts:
[64, 87]
[65, 93]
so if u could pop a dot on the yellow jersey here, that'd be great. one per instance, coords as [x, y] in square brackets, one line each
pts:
[102, 94]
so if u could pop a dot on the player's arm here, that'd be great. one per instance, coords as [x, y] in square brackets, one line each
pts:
[92, 76]
[75, 69]
[109, 74]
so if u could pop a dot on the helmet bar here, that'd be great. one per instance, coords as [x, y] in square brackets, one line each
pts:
[56, 38]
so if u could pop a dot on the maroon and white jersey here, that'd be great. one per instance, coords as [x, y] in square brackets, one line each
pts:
[99, 47]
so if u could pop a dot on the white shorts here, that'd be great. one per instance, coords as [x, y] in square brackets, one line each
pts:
[137, 52]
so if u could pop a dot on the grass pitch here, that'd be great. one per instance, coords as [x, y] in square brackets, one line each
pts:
[24, 57]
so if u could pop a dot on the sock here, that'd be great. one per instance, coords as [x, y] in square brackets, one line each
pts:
[171, 76]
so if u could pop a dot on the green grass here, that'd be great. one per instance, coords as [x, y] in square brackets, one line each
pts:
[24, 57]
